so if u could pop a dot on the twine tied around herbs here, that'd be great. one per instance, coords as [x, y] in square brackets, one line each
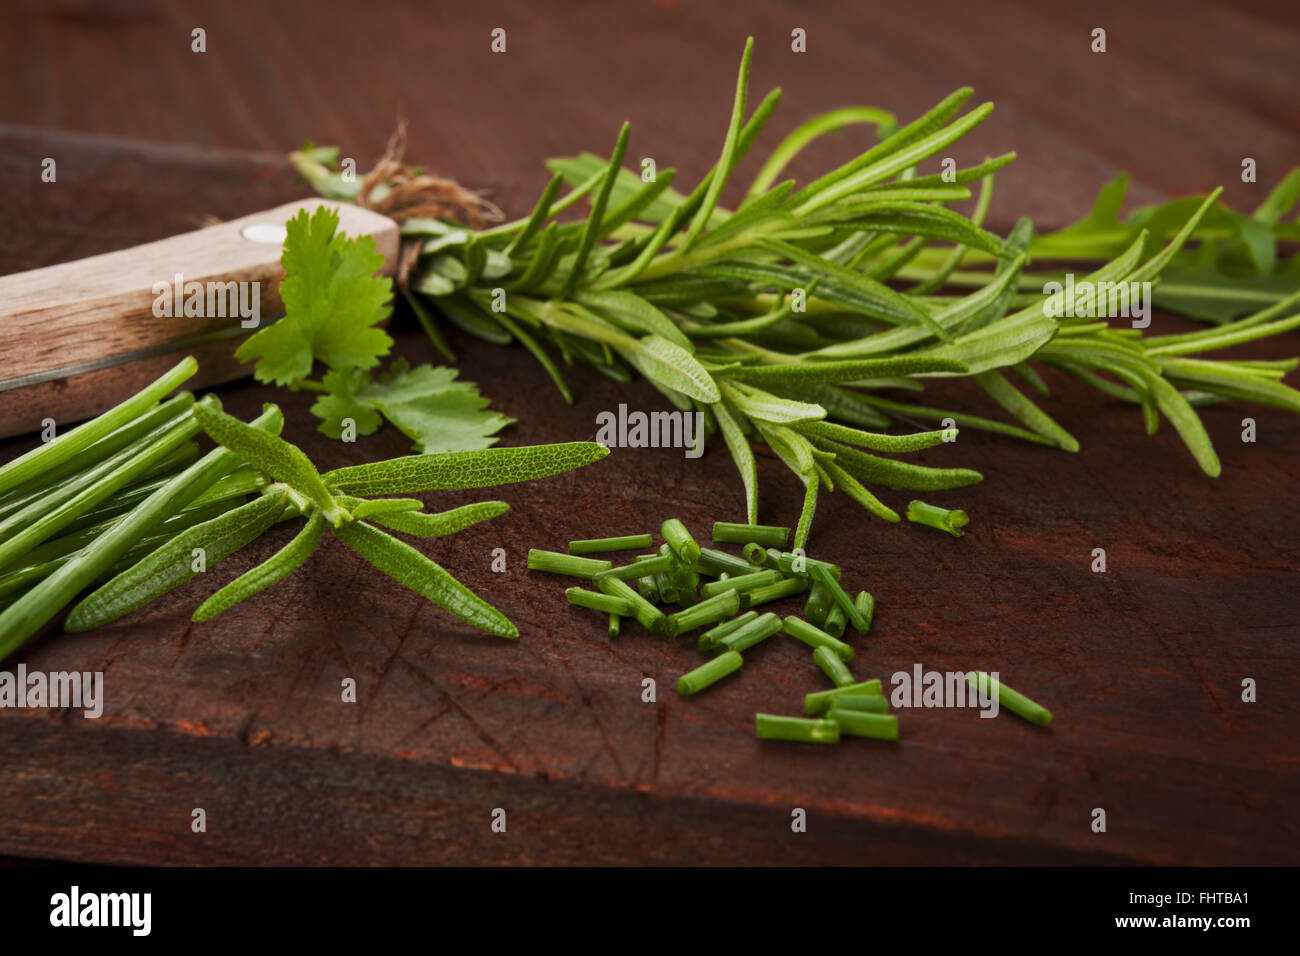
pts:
[401, 192]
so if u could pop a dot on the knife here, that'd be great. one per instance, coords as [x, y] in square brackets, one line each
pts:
[78, 337]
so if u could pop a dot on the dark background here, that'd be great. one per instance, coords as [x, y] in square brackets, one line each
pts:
[1142, 665]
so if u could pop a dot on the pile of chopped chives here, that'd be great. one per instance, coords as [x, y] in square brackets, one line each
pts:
[724, 605]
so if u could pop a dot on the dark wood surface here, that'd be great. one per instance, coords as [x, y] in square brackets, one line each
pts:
[241, 716]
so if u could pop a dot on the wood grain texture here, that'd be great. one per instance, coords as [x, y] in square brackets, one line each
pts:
[1142, 665]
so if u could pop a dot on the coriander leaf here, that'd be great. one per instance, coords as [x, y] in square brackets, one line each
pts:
[332, 300]
[426, 403]
[341, 401]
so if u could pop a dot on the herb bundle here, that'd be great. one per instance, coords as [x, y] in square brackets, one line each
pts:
[785, 319]
[126, 502]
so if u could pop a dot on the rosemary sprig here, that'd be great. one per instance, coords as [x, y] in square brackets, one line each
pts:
[783, 319]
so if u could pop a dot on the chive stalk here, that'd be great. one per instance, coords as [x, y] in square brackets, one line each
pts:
[873, 703]
[815, 637]
[556, 563]
[836, 621]
[680, 540]
[709, 673]
[598, 602]
[754, 632]
[628, 542]
[773, 592]
[741, 582]
[791, 563]
[824, 700]
[1013, 701]
[935, 517]
[859, 723]
[866, 606]
[710, 639]
[832, 666]
[716, 563]
[818, 604]
[637, 569]
[647, 615]
[766, 535]
[821, 572]
[798, 729]
[54, 453]
[709, 611]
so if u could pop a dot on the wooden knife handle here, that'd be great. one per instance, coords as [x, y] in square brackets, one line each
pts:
[79, 337]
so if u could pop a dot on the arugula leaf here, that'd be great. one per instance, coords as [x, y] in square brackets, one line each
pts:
[426, 403]
[332, 300]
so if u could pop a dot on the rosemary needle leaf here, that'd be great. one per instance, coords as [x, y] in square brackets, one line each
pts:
[742, 455]
[589, 234]
[274, 569]
[172, 564]
[443, 523]
[464, 469]
[409, 567]
[272, 454]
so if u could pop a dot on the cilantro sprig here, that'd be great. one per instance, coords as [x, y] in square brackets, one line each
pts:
[334, 303]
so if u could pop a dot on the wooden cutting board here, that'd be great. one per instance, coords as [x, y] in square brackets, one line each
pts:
[1142, 665]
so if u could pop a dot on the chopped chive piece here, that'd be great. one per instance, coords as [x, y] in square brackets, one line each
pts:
[858, 723]
[637, 569]
[710, 673]
[709, 611]
[824, 700]
[667, 590]
[866, 606]
[832, 666]
[627, 542]
[647, 615]
[875, 703]
[821, 573]
[936, 517]
[598, 602]
[800, 729]
[710, 639]
[764, 534]
[685, 579]
[680, 540]
[557, 563]
[774, 592]
[755, 632]
[791, 563]
[648, 588]
[741, 582]
[759, 556]
[1013, 701]
[836, 621]
[615, 625]
[815, 637]
[716, 563]
[818, 604]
